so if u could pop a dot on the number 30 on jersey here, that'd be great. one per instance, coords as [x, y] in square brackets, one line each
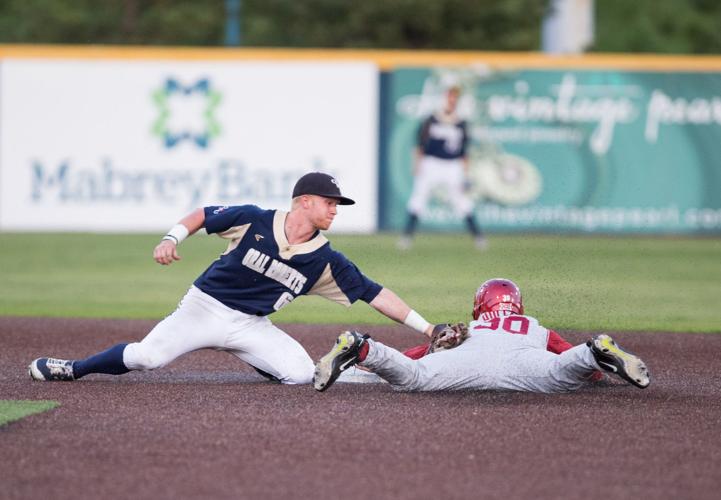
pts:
[509, 324]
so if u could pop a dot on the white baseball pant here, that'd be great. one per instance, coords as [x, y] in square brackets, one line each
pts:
[447, 174]
[477, 364]
[202, 322]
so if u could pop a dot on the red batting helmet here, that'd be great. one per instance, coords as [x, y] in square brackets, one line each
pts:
[497, 295]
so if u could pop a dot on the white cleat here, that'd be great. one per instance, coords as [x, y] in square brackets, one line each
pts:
[46, 369]
[481, 243]
[404, 243]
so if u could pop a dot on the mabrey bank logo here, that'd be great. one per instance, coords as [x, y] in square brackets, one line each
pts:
[186, 113]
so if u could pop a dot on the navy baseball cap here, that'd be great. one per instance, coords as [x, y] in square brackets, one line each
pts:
[320, 184]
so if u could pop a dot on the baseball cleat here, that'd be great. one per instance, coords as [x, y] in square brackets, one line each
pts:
[266, 375]
[345, 353]
[51, 369]
[404, 243]
[611, 358]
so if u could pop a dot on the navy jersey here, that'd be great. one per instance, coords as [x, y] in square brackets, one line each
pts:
[260, 272]
[443, 138]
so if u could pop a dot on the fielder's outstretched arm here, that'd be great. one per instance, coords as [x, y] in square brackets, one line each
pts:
[391, 305]
[167, 250]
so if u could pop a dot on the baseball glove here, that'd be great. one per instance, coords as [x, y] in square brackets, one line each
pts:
[447, 336]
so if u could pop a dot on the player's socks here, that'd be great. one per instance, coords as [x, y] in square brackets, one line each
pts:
[473, 225]
[412, 224]
[109, 361]
[363, 352]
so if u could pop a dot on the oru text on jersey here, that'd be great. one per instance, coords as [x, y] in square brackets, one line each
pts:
[260, 272]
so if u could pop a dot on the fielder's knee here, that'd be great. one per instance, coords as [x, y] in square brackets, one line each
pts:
[139, 357]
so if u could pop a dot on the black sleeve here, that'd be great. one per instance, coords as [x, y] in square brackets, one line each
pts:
[354, 284]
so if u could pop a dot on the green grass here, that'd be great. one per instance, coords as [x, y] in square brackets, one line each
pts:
[15, 410]
[594, 283]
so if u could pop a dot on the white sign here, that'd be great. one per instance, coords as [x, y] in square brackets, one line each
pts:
[135, 145]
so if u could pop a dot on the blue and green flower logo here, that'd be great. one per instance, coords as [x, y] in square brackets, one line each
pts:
[200, 127]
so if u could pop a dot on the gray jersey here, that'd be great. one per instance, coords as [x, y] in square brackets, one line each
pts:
[505, 351]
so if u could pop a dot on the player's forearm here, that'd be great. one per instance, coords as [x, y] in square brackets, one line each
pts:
[187, 226]
[392, 306]
[166, 252]
[194, 220]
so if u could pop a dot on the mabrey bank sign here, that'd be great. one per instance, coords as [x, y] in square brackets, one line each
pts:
[133, 146]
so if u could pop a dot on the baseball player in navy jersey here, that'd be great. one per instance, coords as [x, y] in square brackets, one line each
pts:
[272, 257]
[506, 350]
[441, 160]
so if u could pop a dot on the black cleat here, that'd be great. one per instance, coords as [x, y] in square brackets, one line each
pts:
[345, 353]
[611, 358]
[266, 375]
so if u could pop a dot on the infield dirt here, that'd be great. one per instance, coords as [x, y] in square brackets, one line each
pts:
[207, 426]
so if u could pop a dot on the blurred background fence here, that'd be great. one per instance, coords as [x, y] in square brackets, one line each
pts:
[113, 137]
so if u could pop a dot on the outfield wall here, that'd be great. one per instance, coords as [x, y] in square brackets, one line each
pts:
[128, 139]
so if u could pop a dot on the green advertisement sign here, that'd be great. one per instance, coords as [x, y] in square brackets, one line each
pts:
[570, 151]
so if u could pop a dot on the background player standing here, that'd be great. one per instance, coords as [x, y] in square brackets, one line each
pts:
[441, 160]
[272, 257]
[506, 350]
